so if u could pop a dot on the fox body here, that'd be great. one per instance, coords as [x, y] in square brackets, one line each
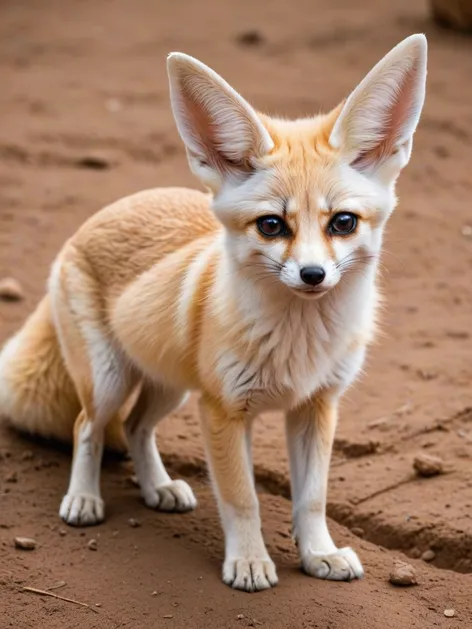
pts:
[261, 294]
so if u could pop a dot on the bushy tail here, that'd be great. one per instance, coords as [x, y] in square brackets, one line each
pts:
[37, 395]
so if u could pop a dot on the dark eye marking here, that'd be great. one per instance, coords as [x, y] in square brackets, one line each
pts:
[272, 226]
[342, 224]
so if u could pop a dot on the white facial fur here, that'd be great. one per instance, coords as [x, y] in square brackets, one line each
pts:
[276, 263]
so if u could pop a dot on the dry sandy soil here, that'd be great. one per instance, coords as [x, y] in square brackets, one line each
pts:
[85, 119]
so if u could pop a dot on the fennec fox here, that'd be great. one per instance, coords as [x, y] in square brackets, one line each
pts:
[260, 294]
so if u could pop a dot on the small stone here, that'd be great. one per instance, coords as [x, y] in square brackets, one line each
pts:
[449, 613]
[25, 543]
[358, 531]
[403, 574]
[134, 524]
[12, 478]
[93, 544]
[356, 449]
[466, 231]
[168, 616]
[240, 617]
[62, 532]
[11, 290]
[415, 553]
[27, 455]
[428, 555]
[427, 465]
[98, 604]
[154, 593]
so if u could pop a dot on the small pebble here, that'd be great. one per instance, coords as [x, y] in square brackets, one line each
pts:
[92, 545]
[240, 617]
[12, 478]
[134, 524]
[168, 616]
[154, 593]
[62, 532]
[427, 465]
[27, 455]
[428, 555]
[415, 553]
[449, 613]
[11, 289]
[358, 531]
[25, 543]
[466, 231]
[403, 574]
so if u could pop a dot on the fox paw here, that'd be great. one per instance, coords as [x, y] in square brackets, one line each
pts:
[82, 509]
[250, 575]
[176, 496]
[342, 565]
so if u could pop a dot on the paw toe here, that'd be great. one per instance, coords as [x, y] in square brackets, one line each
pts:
[250, 575]
[82, 510]
[342, 565]
[176, 496]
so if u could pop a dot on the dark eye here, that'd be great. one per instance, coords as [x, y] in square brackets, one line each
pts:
[272, 226]
[343, 223]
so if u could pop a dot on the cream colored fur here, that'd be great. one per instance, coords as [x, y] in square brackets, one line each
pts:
[173, 290]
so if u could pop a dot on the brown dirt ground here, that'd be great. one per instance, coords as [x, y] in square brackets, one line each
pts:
[85, 80]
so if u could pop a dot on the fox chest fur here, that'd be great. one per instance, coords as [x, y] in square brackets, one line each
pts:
[281, 358]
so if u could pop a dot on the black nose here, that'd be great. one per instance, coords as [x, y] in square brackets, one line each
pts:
[313, 275]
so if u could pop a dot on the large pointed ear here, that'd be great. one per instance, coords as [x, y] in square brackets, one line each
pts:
[221, 131]
[375, 128]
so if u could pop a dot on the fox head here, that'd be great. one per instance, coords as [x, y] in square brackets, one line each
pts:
[303, 202]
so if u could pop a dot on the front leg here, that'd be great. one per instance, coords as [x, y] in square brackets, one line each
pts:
[247, 564]
[310, 434]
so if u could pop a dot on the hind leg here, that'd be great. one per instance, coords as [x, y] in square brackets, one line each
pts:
[158, 489]
[102, 381]
[82, 505]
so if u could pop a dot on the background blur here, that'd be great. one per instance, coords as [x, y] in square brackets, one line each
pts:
[85, 119]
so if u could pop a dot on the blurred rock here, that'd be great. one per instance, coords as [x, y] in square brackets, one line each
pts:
[25, 543]
[427, 465]
[11, 290]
